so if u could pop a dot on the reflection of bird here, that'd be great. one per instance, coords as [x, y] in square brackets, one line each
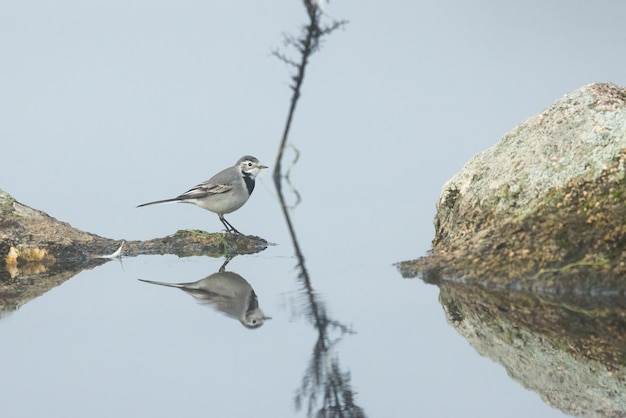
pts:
[223, 193]
[228, 293]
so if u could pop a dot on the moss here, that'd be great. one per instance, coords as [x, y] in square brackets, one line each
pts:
[598, 260]
[6, 203]
[576, 231]
[191, 232]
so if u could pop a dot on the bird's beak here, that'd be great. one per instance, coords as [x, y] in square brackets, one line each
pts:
[263, 166]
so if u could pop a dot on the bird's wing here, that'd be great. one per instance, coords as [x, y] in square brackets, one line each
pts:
[203, 190]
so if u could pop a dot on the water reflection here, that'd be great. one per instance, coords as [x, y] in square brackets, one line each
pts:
[325, 388]
[19, 284]
[226, 292]
[570, 349]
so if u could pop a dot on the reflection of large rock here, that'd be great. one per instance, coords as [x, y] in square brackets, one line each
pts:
[571, 351]
[548, 199]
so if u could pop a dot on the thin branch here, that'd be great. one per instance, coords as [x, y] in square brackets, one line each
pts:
[306, 46]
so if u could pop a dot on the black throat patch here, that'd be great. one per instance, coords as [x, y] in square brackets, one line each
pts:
[249, 183]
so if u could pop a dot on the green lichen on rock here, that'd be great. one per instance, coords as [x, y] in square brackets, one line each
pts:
[193, 242]
[577, 233]
[545, 208]
[6, 202]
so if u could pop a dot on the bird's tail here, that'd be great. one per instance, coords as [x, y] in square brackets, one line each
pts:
[159, 201]
[179, 285]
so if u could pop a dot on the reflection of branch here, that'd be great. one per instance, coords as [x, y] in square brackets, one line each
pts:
[288, 177]
[323, 375]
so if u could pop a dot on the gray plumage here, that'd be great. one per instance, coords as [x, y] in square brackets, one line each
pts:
[223, 193]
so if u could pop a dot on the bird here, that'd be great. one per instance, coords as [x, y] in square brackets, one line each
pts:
[223, 193]
[228, 293]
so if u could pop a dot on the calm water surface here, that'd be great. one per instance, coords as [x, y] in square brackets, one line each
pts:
[105, 344]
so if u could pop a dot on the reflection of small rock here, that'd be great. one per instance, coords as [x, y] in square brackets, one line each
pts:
[11, 258]
[30, 269]
[548, 201]
[29, 261]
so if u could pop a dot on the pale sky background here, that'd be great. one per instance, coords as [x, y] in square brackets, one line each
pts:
[108, 104]
[104, 105]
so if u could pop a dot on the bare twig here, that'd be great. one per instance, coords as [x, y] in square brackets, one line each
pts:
[306, 45]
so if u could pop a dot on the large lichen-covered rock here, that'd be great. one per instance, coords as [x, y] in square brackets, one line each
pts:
[548, 200]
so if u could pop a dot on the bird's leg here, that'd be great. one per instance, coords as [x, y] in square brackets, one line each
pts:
[228, 226]
[228, 258]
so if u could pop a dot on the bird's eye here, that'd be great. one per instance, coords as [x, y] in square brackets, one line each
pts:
[249, 164]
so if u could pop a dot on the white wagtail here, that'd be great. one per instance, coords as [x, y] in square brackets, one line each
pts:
[223, 193]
